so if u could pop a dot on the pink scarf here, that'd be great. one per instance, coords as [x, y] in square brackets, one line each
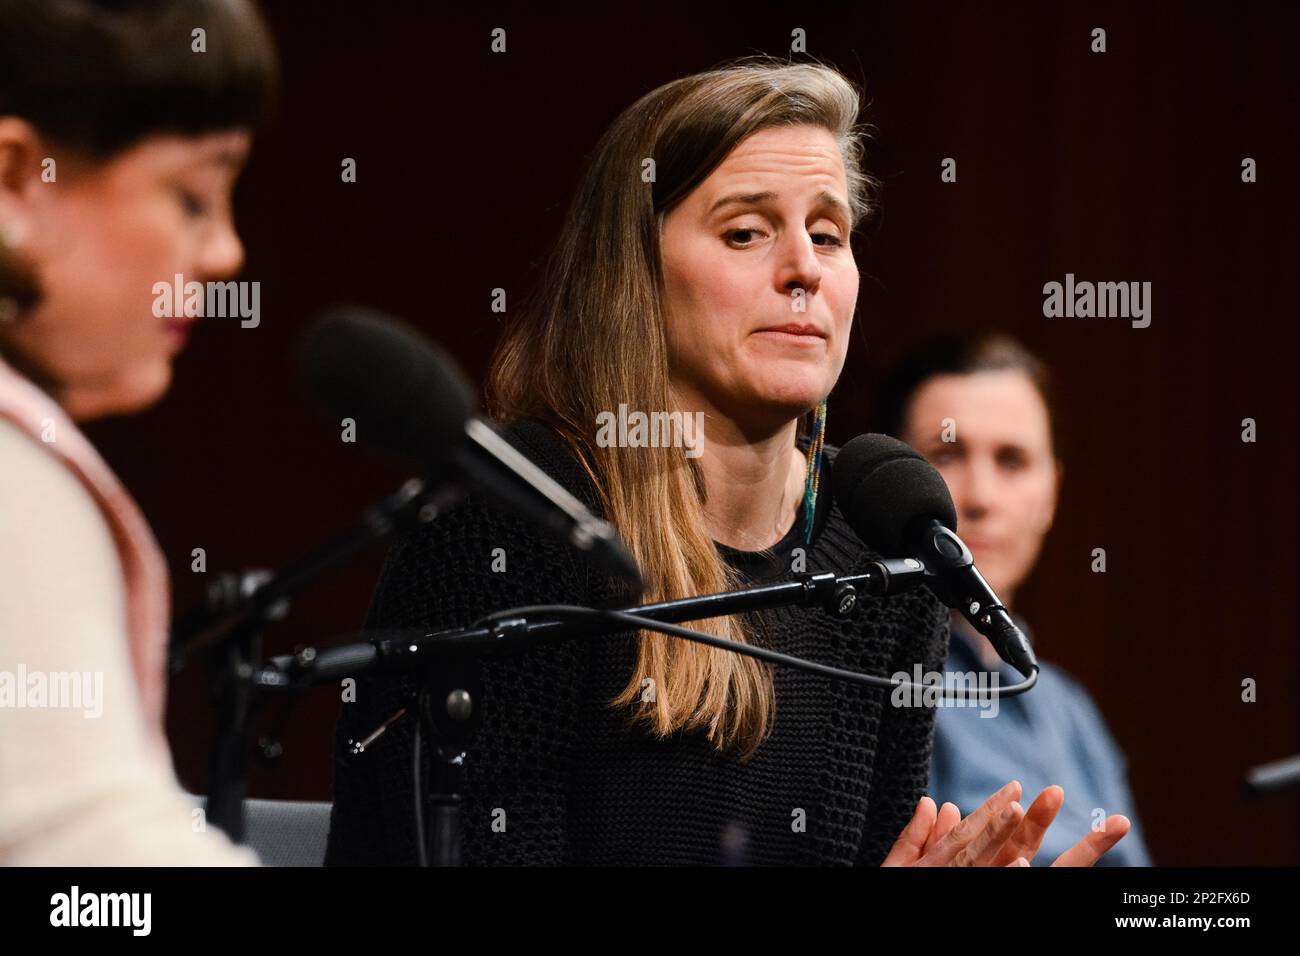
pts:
[143, 568]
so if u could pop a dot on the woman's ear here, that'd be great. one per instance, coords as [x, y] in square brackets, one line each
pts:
[20, 174]
[19, 178]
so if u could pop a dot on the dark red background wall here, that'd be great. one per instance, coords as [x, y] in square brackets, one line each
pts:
[1118, 166]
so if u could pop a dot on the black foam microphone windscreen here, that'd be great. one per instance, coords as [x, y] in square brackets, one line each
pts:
[882, 486]
[407, 397]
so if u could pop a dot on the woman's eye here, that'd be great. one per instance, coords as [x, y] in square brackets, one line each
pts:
[192, 204]
[741, 236]
[1012, 461]
[744, 237]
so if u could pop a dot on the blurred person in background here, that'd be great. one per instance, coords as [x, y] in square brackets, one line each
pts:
[120, 144]
[978, 408]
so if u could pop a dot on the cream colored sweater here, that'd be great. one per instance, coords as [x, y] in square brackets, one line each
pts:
[79, 784]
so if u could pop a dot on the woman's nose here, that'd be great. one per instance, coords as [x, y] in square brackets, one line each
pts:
[800, 268]
[222, 255]
[979, 487]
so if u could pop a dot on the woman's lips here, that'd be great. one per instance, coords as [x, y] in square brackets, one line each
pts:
[793, 334]
[178, 331]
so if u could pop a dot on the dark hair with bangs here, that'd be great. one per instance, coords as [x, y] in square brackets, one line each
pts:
[97, 76]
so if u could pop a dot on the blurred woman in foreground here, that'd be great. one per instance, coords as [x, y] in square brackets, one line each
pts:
[120, 142]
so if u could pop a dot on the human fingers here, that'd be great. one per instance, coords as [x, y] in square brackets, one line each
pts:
[949, 816]
[909, 846]
[968, 829]
[1029, 835]
[1094, 846]
[987, 845]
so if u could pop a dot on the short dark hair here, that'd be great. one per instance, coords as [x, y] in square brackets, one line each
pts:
[97, 76]
[958, 354]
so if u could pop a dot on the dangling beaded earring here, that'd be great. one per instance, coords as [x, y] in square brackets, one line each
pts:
[817, 438]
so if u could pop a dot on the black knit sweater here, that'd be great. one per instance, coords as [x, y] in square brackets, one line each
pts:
[834, 783]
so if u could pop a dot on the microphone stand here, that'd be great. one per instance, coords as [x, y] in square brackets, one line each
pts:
[231, 634]
[446, 704]
[405, 651]
[447, 717]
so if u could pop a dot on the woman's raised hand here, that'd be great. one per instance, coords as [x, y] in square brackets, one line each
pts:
[999, 833]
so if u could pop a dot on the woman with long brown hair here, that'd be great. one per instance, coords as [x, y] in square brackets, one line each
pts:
[704, 270]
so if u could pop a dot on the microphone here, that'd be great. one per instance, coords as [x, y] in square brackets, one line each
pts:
[409, 399]
[896, 501]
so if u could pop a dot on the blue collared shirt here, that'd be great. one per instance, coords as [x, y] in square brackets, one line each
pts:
[1054, 734]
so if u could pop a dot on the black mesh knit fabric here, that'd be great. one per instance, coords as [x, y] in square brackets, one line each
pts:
[555, 776]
